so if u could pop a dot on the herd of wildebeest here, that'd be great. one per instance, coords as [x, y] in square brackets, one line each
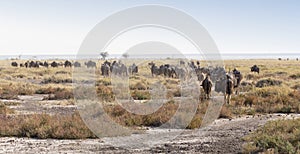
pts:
[225, 82]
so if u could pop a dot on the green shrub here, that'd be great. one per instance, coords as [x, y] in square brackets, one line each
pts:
[281, 135]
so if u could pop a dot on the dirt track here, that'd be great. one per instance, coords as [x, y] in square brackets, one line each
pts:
[224, 136]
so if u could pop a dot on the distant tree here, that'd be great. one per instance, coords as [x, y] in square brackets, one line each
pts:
[104, 55]
[125, 55]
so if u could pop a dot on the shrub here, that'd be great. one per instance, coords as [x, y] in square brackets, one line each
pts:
[45, 126]
[56, 80]
[140, 95]
[58, 93]
[105, 93]
[12, 90]
[281, 135]
[4, 110]
[268, 82]
[295, 76]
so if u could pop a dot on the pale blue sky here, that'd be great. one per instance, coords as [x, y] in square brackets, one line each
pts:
[237, 26]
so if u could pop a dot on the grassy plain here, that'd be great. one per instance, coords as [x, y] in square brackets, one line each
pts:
[56, 84]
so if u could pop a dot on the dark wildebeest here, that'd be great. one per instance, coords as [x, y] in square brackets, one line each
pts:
[33, 64]
[133, 69]
[26, 64]
[90, 64]
[180, 72]
[255, 68]
[238, 77]
[207, 84]
[154, 69]
[67, 64]
[14, 64]
[118, 69]
[46, 64]
[168, 71]
[39, 63]
[123, 70]
[54, 64]
[105, 70]
[229, 88]
[21, 65]
[192, 66]
[77, 64]
[226, 86]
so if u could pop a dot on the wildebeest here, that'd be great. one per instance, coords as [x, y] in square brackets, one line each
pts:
[207, 84]
[255, 68]
[154, 69]
[180, 72]
[192, 65]
[14, 64]
[105, 68]
[26, 64]
[77, 64]
[238, 77]
[39, 63]
[226, 85]
[46, 64]
[67, 64]
[168, 71]
[133, 69]
[119, 69]
[229, 88]
[90, 64]
[54, 64]
[33, 64]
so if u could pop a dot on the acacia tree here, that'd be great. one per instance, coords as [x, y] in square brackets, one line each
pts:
[104, 55]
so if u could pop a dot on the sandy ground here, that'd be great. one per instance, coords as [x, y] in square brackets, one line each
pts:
[223, 136]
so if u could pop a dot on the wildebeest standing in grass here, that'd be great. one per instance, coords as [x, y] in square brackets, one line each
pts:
[90, 64]
[105, 69]
[67, 64]
[255, 68]
[238, 77]
[46, 64]
[133, 69]
[54, 64]
[77, 64]
[33, 64]
[229, 88]
[39, 63]
[14, 64]
[226, 86]
[26, 64]
[207, 84]
[154, 69]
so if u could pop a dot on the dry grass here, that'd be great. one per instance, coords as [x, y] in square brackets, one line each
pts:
[45, 126]
[271, 97]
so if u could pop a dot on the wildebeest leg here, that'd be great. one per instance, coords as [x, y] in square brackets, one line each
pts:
[228, 98]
